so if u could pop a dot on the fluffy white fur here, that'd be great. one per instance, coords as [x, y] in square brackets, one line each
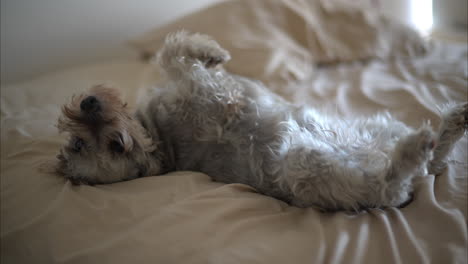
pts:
[237, 131]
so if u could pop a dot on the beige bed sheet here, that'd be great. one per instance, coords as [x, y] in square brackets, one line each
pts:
[184, 217]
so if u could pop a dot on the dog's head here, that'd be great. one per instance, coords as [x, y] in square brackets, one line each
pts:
[106, 144]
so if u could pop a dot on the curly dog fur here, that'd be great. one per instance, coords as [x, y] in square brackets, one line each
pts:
[237, 131]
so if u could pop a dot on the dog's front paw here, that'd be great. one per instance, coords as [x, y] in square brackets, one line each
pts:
[207, 50]
[197, 46]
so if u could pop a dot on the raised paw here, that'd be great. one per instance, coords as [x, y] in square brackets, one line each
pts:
[453, 126]
[411, 153]
[425, 140]
[213, 61]
[455, 118]
[418, 146]
[196, 46]
[460, 115]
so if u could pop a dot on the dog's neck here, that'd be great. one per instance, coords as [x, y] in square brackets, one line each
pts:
[163, 151]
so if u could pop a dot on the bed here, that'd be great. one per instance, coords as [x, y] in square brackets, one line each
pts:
[350, 61]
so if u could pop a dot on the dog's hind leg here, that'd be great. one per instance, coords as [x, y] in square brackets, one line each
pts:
[411, 155]
[351, 180]
[454, 123]
[183, 51]
[411, 152]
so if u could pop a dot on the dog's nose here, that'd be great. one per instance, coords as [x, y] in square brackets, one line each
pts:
[90, 104]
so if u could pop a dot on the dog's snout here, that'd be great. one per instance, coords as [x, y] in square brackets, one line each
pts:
[90, 104]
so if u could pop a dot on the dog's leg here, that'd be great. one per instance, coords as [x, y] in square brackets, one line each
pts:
[454, 123]
[334, 180]
[411, 152]
[183, 51]
[410, 155]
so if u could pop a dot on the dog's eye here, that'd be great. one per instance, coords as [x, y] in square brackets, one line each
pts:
[115, 146]
[78, 144]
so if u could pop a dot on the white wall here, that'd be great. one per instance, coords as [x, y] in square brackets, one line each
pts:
[38, 36]
[451, 14]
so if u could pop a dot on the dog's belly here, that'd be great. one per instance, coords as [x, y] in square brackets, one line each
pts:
[232, 164]
[247, 160]
[221, 161]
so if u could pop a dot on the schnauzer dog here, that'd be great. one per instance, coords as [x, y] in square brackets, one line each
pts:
[237, 131]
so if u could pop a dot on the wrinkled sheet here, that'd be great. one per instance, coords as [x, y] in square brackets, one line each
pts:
[184, 217]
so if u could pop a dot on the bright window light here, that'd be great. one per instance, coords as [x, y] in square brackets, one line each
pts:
[421, 14]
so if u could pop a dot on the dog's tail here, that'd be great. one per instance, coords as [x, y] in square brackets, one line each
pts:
[183, 51]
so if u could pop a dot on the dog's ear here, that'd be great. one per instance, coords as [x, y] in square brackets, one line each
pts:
[53, 166]
[122, 142]
[127, 140]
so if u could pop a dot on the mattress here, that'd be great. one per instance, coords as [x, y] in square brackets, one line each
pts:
[184, 217]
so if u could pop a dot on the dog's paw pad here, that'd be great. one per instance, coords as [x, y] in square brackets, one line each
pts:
[425, 140]
[205, 49]
[213, 61]
[418, 146]
[195, 46]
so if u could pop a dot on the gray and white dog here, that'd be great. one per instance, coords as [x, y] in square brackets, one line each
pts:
[237, 131]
